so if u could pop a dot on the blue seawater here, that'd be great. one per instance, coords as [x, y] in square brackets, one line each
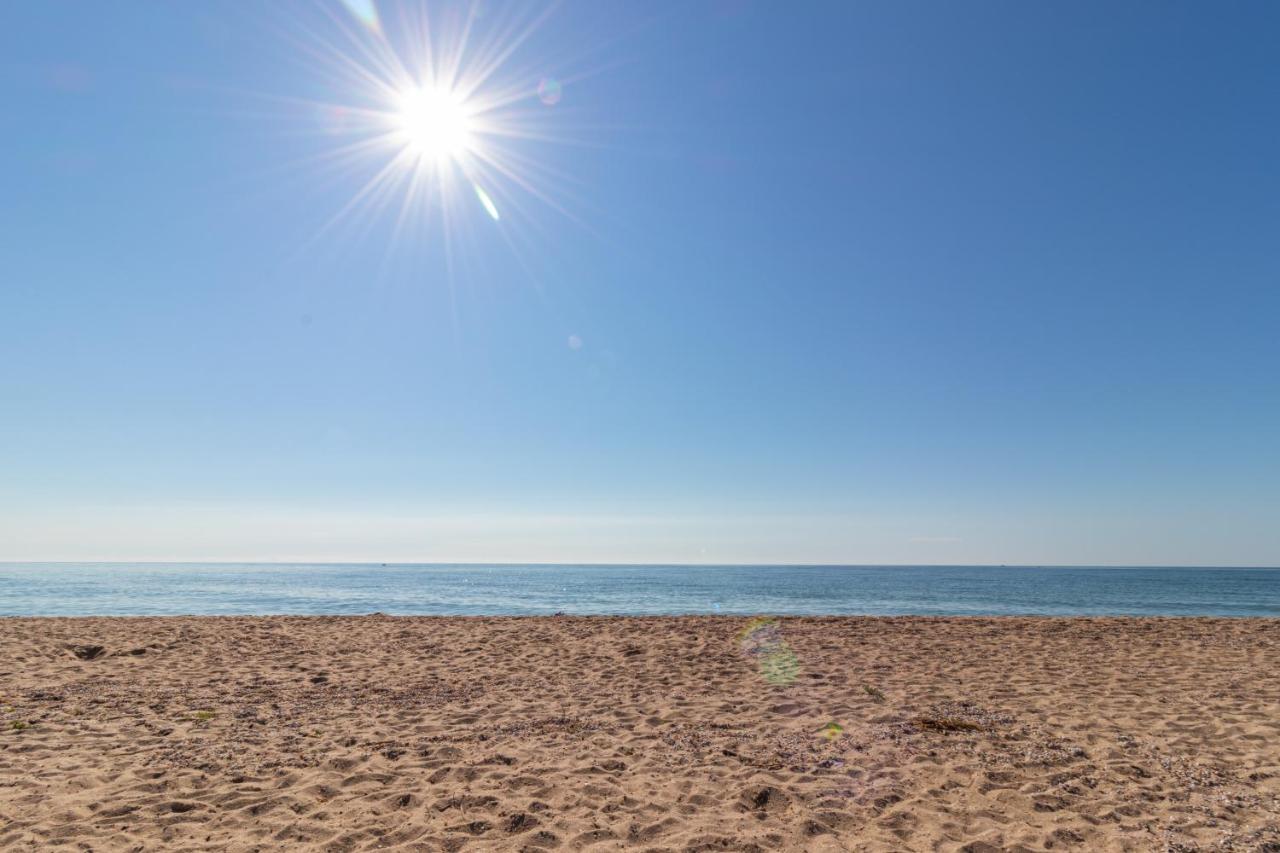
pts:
[64, 589]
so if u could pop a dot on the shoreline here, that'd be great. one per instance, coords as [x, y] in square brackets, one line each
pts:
[653, 617]
[706, 732]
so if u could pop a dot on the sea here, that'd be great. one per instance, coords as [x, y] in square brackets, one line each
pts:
[136, 589]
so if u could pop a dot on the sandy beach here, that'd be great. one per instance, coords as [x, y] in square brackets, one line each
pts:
[692, 733]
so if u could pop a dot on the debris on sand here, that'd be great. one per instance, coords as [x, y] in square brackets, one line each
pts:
[946, 724]
[88, 652]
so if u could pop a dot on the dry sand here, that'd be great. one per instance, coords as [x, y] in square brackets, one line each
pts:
[639, 734]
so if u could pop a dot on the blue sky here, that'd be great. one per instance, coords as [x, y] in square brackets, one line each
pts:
[909, 283]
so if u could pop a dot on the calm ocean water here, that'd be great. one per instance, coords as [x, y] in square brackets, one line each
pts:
[152, 588]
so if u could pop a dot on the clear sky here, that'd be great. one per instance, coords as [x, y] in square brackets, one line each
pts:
[990, 282]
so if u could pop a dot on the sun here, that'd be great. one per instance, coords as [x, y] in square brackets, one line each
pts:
[434, 124]
[437, 120]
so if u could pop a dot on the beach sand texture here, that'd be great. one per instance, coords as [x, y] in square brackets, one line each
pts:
[610, 733]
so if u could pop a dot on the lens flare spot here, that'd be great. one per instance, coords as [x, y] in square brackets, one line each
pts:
[575, 342]
[364, 11]
[489, 206]
[550, 91]
[831, 730]
[759, 634]
[762, 639]
[335, 120]
[780, 666]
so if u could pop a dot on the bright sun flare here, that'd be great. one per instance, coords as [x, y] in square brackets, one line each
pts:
[434, 124]
[433, 109]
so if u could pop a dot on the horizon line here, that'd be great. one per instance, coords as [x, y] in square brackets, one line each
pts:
[481, 563]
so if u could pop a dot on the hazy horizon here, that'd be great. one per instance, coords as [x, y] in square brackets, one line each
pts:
[484, 563]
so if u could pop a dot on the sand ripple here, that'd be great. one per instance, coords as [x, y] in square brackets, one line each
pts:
[554, 733]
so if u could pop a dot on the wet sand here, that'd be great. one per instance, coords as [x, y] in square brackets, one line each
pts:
[692, 733]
